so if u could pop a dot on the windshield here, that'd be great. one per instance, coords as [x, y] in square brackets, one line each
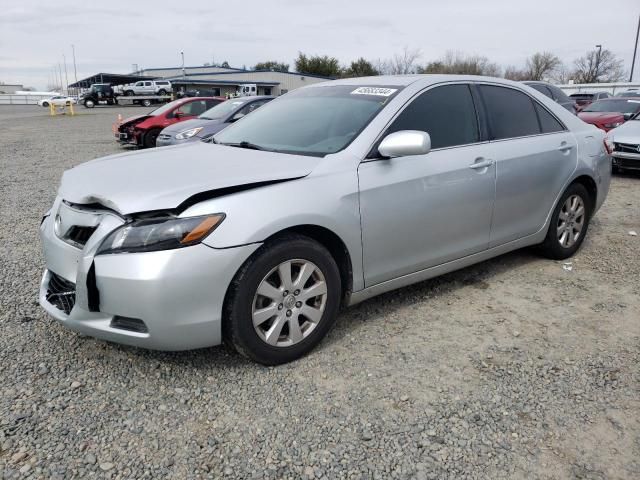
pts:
[164, 108]
[622, 106]
[222, 109]
[310, 121]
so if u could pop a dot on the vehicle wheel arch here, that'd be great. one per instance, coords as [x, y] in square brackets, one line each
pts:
[590, 185]
[328, 239]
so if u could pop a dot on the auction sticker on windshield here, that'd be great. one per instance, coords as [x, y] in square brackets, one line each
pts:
[379, 91]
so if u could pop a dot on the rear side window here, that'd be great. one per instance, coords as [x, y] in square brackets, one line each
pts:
[559, 95]
[548, 123]
[446, 113]
[511, 113]
[542, 89]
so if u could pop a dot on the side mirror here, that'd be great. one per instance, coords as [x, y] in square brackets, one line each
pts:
[627, 116]
[178, 114]
[405, 143]
[237, 117]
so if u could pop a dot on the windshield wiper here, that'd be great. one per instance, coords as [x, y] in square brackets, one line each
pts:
[243, 144]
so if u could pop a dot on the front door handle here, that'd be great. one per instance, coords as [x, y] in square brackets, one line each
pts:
[481, 163]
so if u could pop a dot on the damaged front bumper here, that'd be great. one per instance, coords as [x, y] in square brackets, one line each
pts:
[165, 300]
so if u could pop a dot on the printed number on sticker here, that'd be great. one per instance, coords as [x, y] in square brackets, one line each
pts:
[381, 92]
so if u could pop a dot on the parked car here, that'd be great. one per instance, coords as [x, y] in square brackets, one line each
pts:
[632, 92]
[326, 196]
[98, 93]
[211, 121]
[143, 130]
[587, 98]
[625, 142]
[555, 94]
[610, 113]
[148, 87]
[57, 100]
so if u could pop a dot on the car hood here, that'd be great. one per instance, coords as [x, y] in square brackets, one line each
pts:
[599, 117]
[188, 124]
[628, 132]
[165, 178]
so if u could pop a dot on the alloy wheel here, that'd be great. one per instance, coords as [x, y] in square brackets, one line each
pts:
[571, 221]
[289, 303]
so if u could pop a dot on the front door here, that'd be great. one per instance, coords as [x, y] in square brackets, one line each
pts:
[425, 210]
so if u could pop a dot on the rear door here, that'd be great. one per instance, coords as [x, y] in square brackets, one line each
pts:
[535, 155]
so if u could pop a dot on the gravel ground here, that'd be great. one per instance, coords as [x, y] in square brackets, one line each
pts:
[518, 367]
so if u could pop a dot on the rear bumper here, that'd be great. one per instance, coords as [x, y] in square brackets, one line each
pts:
[178, 294]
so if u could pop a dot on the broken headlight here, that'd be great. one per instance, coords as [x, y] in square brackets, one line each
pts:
[153, 234]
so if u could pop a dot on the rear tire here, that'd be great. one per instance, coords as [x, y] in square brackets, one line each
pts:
[128, 93]
[146, 103]
[569, 223]
[45, 104]
[304, 307]
[162, 91]
[149, 139]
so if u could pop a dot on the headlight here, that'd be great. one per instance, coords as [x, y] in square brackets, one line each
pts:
[612, 125]
[150, 235]
[188, 133]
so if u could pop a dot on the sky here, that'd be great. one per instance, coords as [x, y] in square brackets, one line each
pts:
[111, 36]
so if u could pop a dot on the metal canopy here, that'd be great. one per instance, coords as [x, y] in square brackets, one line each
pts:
[112, 78]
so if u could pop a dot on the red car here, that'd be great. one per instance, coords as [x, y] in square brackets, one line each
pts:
[610, 113]
[142, 130]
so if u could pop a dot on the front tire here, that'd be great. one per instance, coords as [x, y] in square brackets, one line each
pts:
[89, 104]
[149, 138]
[45, 104]
[569, 223]
[146, 102]
[283, 300]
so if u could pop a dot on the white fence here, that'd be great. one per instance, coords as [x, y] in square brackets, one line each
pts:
[611, 88]
[12, 99]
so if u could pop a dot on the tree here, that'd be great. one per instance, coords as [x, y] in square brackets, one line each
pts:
[360, 68]
[401, 63]
[458, 63]
[225, 64]
[514, 73]
[541, 65]
[598, 66]
[324, 66]
[272, 65]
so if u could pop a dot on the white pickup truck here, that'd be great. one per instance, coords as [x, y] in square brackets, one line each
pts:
[147, 87]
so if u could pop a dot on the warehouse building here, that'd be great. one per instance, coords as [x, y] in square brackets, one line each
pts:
[223, 81]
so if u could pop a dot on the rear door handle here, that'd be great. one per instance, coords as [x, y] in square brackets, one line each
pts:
[481, 163]
[565, 147]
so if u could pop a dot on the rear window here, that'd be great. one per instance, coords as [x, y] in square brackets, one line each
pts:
[162, 83]
[619, 105]
[582, 96]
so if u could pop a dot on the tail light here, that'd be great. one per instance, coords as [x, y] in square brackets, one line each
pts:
[608, 145]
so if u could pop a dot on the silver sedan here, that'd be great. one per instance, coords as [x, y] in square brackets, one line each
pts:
[323, 198]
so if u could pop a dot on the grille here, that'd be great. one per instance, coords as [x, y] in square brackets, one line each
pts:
[626, 163]
[625, 147]
[79, 235]
[61, 293]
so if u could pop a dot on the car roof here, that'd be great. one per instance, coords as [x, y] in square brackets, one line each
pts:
[406, 80]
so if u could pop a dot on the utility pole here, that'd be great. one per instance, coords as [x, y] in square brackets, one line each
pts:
[182, 55]
[61, 82]
[75, 71]
[635, 51]
[66, 76]
[598, 53]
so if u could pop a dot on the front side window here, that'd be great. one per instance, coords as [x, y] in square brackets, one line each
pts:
[193, 108]
[510, 113]
[312, 121]
[446, 113]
